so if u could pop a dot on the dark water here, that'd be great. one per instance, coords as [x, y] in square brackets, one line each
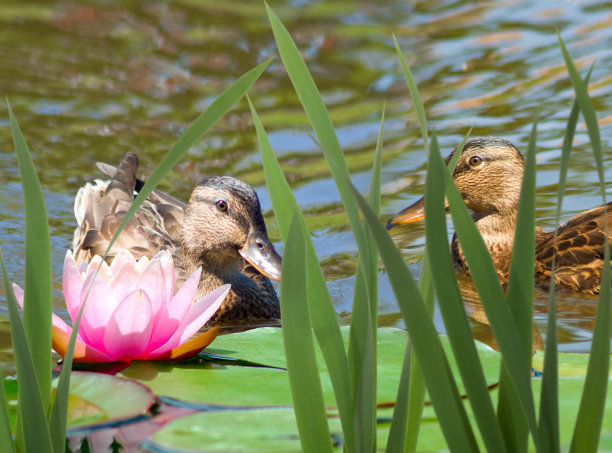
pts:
[90, 80]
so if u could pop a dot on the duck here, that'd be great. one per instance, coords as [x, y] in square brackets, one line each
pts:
[488, 176]
[221, 228]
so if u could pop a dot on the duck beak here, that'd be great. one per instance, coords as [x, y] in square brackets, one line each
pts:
[260, 253]
[412, 213]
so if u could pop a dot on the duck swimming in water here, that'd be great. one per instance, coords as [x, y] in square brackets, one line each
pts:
[221, 228]
[488, 176]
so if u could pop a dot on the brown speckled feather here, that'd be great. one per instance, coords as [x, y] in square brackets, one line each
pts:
[579, 251]
[201, 233]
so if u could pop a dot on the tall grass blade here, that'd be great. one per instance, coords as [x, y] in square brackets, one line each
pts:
[520, 300]
[299, 346]
[416, 395]
[318, 116]
[592, 404]
[363, 330]
[36, 436]
[549, 400]
[6, 434]
[417, 386]
[322, 313]
[451, 303]
[396, 441]
[37, 297]
[414, 94]
[493, 301]
[424, 338]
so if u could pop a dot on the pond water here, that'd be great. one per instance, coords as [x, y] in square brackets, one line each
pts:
[91, 80]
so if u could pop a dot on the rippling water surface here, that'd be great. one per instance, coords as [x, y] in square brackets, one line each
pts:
[90, 80]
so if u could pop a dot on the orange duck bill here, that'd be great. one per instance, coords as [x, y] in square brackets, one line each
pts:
[412, 213]
[260, 253]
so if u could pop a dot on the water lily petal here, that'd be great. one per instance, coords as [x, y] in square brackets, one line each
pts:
[60, 336]
[171, 314]
[167, 263]
[122, 258]
[198, 314]
[142, 264]
[129, 330]
[180, 303]
[102, 268]
[125, 281]
[100, 305]
[189, 349]
[152, 281]
[72, 284]
[18, 291]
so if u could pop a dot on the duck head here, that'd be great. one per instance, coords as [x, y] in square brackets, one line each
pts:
[223, 223]
[488, 176]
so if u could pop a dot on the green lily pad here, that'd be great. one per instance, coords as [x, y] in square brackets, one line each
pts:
[231, 384]
[270, 430]
[95, 400]
[227, 383]
[102, 399]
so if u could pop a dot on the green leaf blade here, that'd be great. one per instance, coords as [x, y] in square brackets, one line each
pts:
[321, 309]
[302, 367]
[451, 303]
[37, 290]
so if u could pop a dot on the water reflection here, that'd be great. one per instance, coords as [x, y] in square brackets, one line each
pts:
[91, 80]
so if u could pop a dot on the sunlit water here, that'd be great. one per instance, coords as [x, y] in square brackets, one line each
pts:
[91, 80]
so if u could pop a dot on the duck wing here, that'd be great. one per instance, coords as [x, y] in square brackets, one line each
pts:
[579, 251]
[100, 208]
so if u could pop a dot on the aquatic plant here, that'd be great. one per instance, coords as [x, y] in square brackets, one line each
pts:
[513, 424]
[132, 311]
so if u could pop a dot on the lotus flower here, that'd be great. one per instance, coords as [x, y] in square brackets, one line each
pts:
[132, 312]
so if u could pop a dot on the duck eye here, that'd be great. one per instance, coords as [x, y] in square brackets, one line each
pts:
[475, 161]
[221, 205]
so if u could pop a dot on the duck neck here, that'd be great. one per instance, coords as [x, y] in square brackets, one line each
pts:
[216, 270]
[497, 231]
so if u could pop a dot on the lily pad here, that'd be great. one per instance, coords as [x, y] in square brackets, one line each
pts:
[95, 401]
[100, 400]
[219, 382]
[230, 384]
[270, 430]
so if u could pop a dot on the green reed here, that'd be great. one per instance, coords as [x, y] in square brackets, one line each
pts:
[514, 423]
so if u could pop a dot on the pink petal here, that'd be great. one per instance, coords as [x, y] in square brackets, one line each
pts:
[198, 315]
[72, 286]
[122, 258]
[61, 325]
[180, 303]
[82, 352]
[129, 330]
[152, 281]
[18, 291]
[98, 266]
[99, 308]
[142, 264]
[167, 263]
[170, 315]
[125, 281]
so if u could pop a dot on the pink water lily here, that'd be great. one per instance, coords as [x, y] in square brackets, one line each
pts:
[132, 312]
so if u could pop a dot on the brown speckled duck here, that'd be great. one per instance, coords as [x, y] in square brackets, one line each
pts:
[488, 176]
[221, 229]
